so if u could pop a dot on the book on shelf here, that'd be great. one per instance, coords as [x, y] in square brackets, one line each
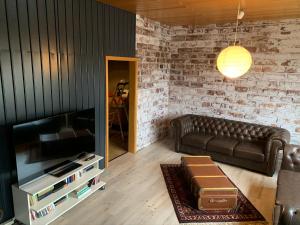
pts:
[61, 200]
[43, 194]
[70, 179]
[59, 186]
[88, 168]
[94, 181]
[45, 211]
[81, 191]
[41, 213]
[45, 191]
[32, 199]
[78, 175]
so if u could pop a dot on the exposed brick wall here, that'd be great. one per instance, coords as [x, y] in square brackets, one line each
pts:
[153, 49]
[268, 94]
[178, 75]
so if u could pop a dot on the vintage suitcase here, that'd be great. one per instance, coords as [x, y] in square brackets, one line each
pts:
[196, 160]
[209, 184]
[214, 193]
[202, 171]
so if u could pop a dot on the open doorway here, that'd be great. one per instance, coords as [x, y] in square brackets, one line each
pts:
[121, 106]
[118, 103]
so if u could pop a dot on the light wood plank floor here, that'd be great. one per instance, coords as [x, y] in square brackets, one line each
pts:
[136, 193]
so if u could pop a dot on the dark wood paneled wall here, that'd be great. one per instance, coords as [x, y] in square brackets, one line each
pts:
[52, 61]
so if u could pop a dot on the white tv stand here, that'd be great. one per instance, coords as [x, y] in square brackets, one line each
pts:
[22, 194]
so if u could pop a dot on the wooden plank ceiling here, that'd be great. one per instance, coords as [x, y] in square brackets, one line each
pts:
[180, 12]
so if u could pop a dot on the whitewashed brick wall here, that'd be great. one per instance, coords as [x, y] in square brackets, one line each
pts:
[178, 75]
[152, 40]
[268, 94]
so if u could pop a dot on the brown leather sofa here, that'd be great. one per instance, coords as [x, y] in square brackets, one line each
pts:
[247, 145]
[287, 205]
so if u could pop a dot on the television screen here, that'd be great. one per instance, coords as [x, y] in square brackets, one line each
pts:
[43, 144]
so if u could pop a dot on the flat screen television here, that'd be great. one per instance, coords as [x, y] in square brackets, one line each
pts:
[43, 145]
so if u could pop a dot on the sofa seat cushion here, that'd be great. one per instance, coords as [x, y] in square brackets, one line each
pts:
[288, 188]
[198, 140]
[222, 145]
[250, 150]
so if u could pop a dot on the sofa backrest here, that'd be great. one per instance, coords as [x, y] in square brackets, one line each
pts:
[231, 129]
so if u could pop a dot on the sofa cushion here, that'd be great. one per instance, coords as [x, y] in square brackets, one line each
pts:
[288, 188]
[196, 140]
[222, 145]
[250, 150]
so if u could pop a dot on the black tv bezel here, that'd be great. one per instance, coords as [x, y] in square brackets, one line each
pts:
[12, 144]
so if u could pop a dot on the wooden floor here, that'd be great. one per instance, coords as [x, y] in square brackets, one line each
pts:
[116, 149]
[136, 192]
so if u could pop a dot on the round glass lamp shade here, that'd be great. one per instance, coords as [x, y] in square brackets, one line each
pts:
[234, 61]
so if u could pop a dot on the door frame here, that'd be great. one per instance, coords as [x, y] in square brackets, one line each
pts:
[132, 126]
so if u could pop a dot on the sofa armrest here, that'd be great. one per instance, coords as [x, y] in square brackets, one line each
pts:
[271, 155]
[181, 126]
[276, 142]
[291, 158]
[281, 135]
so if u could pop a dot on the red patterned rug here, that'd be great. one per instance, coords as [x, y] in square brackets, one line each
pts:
[185, 204]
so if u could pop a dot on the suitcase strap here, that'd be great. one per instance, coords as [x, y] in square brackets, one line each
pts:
[209, 176]
[220, 188]
[200, 165]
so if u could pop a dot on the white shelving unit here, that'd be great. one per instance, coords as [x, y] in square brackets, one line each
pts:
[22, 194]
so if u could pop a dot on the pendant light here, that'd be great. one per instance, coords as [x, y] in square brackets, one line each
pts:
[234, 61]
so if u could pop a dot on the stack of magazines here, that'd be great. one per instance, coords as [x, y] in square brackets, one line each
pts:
[80, 192]
[41, 195]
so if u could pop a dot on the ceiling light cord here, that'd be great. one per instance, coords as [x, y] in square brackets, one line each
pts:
[237, 23]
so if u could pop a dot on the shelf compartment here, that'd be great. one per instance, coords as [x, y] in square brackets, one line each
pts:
[71, 187]
[47, 180]
[65, 206]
